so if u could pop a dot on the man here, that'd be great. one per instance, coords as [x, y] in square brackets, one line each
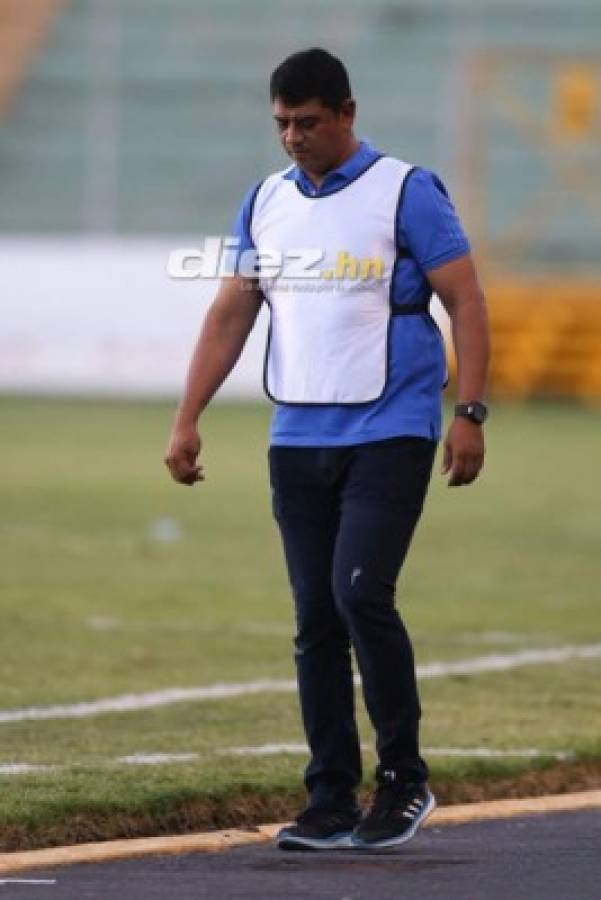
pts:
[355, 365]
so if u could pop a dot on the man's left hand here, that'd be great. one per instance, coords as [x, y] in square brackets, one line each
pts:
[463, 452]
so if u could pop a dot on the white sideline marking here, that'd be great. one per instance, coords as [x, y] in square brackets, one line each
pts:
[135, 702]
[155, 759]
[112, 623]
[27, 880]
[480, 752]
[502, 662]
[153, 699]
[500, 637]
[102, 623]
[268, 750]
[22, 769]
[489, 753]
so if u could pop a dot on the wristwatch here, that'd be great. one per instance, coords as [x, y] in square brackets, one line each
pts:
[474, 411]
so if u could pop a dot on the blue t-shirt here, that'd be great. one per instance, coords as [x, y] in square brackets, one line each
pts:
[428, 226]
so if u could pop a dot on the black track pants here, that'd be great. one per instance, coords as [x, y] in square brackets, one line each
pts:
[346, 516]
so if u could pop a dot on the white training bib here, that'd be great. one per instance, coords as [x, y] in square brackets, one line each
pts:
[330, 302]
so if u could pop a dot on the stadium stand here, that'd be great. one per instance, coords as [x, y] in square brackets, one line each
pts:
[142, 117]
[23, 29]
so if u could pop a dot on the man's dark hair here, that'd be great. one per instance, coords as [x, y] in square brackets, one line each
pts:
[310, 74]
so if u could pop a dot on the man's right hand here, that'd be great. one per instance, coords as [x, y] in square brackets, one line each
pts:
[182, 452]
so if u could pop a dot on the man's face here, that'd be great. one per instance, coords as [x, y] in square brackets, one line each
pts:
[313, 135]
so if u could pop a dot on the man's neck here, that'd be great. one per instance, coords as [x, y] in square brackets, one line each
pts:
[317, 178]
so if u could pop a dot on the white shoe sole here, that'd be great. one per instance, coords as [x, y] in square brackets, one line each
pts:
[341, 841]
[430, 806]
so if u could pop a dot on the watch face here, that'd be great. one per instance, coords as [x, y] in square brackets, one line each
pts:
[477, 412]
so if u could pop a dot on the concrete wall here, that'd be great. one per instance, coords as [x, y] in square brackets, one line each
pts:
[102, 316]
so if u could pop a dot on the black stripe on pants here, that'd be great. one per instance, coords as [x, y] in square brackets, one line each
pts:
[346, 516]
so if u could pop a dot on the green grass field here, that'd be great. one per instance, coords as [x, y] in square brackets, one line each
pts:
[93, 605]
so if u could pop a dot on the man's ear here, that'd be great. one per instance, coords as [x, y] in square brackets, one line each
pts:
[348, 110]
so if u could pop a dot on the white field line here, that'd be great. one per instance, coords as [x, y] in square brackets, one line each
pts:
[27, 880]
[281, 629]
[504, 662]
[102, 622]
[223, 691]
[478, 752]
[158, 759]
[150, 700]
[112, 623]
[23, 768]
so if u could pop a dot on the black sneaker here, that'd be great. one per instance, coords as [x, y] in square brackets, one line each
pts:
[396, 812]
[319, 829]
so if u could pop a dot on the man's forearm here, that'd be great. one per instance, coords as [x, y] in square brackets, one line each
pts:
[456, 283]
[469, 325]
[217, 350]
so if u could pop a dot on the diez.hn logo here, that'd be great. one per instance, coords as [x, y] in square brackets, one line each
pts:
[220, 258]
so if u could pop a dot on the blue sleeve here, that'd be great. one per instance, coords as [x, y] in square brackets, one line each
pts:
[427, 223]
[241, 229]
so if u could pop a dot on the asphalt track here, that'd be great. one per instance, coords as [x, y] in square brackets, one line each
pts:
[554, 856]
